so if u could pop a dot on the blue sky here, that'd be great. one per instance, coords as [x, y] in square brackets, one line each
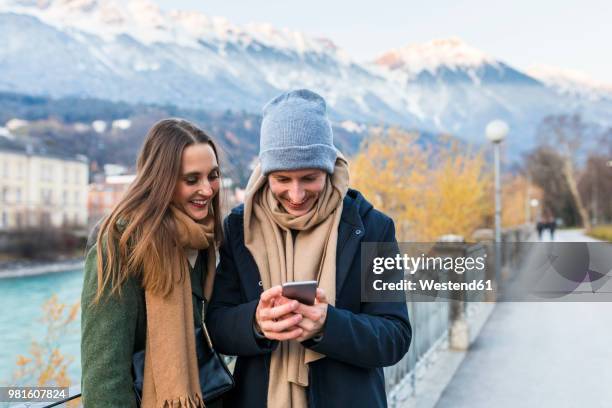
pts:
[568, 34]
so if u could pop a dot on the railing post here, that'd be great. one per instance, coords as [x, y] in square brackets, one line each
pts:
[459, 333]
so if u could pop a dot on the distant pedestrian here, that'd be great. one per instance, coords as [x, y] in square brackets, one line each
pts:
[540, 228]
[550, 222]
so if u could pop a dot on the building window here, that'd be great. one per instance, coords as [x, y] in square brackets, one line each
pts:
[44, 173]
[77, 176]
[17, 195]
[4, 220]
[77, 198]
[47, 172]
[46, 196]
[5, 195]
[45, 219]
[65, 197]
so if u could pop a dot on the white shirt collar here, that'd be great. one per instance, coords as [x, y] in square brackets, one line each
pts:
[192, 255]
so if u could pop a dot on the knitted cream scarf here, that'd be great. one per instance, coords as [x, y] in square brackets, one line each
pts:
[171, 378]
[280, 258]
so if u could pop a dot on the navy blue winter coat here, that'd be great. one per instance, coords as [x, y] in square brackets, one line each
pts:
[358, 340]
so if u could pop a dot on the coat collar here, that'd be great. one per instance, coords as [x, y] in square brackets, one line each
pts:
[350, 234]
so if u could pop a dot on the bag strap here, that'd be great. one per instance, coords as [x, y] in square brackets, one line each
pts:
[199, 262]
[63, 401]
[204, 328]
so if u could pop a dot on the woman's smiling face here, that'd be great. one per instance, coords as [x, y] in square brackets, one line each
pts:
[297, 190]
[199, 181]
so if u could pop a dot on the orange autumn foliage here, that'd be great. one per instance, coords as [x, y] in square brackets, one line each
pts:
[46, 365]
[428, 193]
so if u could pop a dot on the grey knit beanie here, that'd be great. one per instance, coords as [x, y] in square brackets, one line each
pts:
[296, 134]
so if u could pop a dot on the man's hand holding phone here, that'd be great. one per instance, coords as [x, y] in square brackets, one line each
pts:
[313, 316]
[275, 315]
[312, 306]
[296, 310]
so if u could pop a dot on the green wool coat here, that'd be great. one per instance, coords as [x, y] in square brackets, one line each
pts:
[112, 330]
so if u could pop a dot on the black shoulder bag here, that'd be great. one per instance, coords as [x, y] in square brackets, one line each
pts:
[215, 377]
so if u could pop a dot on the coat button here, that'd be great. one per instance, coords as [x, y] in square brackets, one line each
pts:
[358, 232]
[260, 283]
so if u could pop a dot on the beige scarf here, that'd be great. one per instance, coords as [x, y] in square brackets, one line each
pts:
[171, 378]
[280, 258]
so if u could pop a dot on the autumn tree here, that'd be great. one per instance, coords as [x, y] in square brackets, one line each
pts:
[566, 134]
[544, 166]
[595, 187]
[45, 364]
[429, 191]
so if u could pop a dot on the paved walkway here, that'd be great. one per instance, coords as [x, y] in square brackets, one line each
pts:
[538, 355]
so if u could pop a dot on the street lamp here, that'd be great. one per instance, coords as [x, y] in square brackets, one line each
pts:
[495, 132]
[534, 202]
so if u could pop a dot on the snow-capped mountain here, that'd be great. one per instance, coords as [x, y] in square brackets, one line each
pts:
[133, 51]
[460, 88]
[451, 53]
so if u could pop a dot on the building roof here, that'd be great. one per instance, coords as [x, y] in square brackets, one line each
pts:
[7, 144]
[33, 149]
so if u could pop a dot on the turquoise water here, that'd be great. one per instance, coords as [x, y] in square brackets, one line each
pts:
[21, 301]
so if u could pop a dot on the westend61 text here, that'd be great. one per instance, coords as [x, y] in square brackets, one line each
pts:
[430, 284]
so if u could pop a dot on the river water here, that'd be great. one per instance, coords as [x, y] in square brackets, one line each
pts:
[21, 302]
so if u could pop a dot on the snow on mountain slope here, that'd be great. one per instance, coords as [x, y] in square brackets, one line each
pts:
[571, 82]
[451, 53]
[145, 22]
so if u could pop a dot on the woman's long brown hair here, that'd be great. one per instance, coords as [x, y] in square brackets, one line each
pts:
[138, 238]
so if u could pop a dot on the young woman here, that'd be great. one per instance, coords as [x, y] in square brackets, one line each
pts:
[154, 260]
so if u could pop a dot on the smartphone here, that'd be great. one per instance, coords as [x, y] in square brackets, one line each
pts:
[302, 291]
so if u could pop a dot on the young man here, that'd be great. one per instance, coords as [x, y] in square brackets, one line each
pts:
[300, 221]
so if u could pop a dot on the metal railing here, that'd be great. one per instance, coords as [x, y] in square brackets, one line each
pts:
[432, 321]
